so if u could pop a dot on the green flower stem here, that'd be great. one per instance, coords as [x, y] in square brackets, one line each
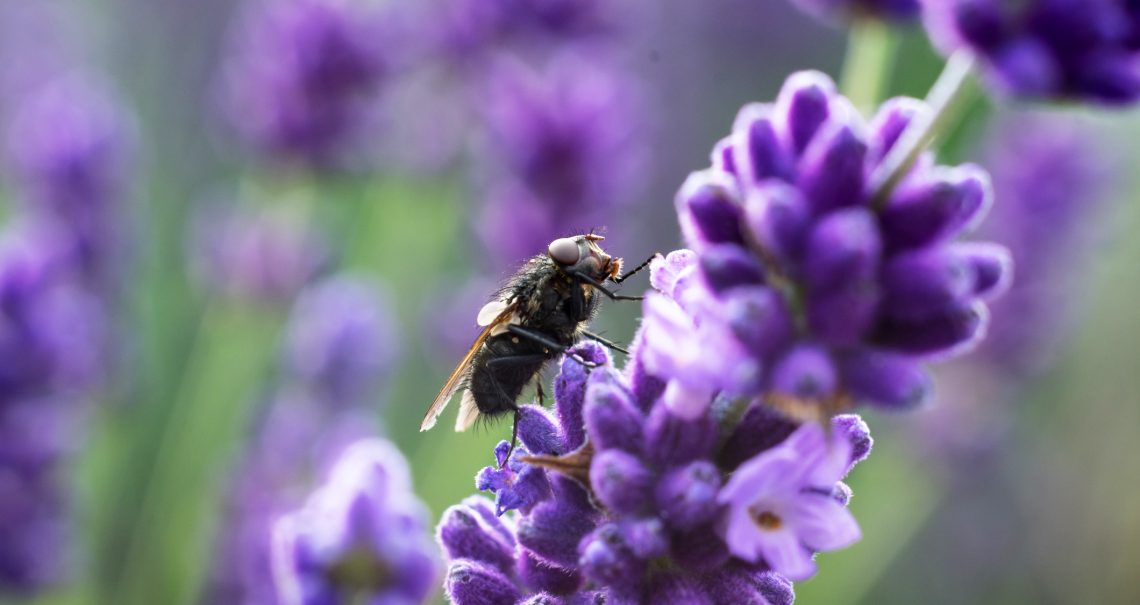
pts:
[166, 553]
[166, 556]
[867, 67]
[949, 96]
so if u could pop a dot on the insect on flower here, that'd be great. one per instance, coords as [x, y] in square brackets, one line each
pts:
[541, 312]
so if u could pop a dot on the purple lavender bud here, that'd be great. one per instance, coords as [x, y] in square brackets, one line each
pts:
[553, 529]
[944, 334]
[805, 372]
[922, 282]
[992, 266]
[936, 208]
[686, 496]
[831, 172]
[645, 388]
[723, 156]
[699, 549]
[607, 558]
[755, 139]
[778, 216]
[889, 123]
[802, 107]
[727, 266]
[760, 429]
[857, 432]
[672, 441]
[570, 390]
[539, 431]
[760, 319]
[885, 379]
[646, 537]
[482, 507]
[621, 482]
[775, 588]
[540, 575]
[465, 535]
[842, 493]
[611, 418]
[361, 533]
[676, 589]
[843, 317]
[474, 583]
[749, 588]
[339, 338]
[843, 248]
[709, 210]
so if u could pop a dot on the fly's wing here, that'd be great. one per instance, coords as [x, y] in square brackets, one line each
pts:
[493, 324]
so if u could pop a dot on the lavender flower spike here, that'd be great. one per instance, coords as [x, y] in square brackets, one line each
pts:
[360, 537]
[798, 287]
[304, 77]
[780, 505]
[636, 498]
[1047, 49]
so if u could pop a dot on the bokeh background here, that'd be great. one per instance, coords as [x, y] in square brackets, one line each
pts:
[226, 253]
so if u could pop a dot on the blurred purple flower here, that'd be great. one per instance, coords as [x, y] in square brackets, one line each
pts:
[53, 330]
[1053, 179]
[1084, 50]
[68, 146]
[897, 11]
[565, 149]
[473, 28]
[340, 340]
[638, 522]
[799, 287]
[304, 76]
[265, 255]
[360, 537]
[35, 437]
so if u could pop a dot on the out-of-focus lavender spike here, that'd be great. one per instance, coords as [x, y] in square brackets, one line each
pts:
[361, 535]
[1046, 50]
[263, 255]
[561, 150]
[303, 78]
[68, 146]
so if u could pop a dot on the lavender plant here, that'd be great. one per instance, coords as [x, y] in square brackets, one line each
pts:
[359, 538]
[59, 255]
[304, 78]
[1047, 49]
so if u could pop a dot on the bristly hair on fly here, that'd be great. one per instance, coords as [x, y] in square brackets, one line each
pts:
[542, 311]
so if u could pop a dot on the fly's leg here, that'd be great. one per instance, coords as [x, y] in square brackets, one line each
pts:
[609, 344]
[600, 288]
[551, 346]
[632, 272]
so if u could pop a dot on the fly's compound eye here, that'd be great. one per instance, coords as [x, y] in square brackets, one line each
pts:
[564, 251]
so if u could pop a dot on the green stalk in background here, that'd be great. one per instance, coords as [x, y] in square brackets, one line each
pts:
[870, 59]
[165, 553]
